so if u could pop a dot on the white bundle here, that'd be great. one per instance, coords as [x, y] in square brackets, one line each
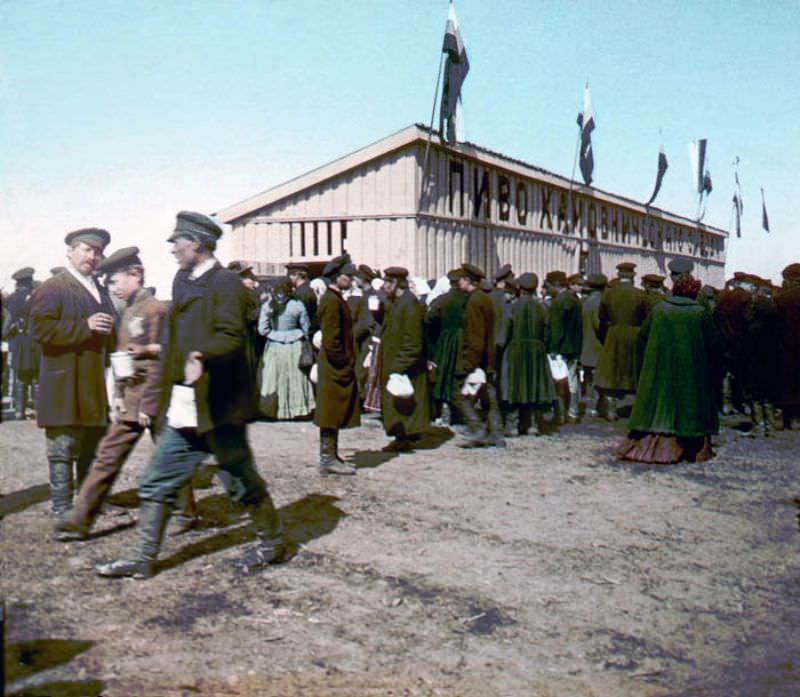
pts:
[475, 380]
[317, 340]
[399, 386]
[313, 375]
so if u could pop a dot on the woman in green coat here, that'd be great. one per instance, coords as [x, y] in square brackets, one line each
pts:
[674, 414]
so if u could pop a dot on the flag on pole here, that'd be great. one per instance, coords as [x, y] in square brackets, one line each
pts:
[738, 207]
[456, 68]
[697, 156]
[662, 168]
[764, 217]
[586, 124]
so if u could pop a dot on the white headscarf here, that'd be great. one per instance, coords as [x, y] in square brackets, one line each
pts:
[441, 287]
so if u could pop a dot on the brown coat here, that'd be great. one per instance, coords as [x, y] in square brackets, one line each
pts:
[477, 341]
[141, 324]
[337, 389]
[622, 311]
[72, 389]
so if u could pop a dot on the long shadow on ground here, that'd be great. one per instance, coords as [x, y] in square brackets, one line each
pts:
[18, 501]
[24, 659]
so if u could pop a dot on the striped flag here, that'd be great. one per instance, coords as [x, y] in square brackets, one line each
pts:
[455, 71]
[764, 216]
[662, 168]
[586, 124]
[697, 156]
[738, 206]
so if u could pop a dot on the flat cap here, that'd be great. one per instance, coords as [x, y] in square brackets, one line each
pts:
[340, 265]
[653, 279]
[244, 269]
[626, 266]
[792, 272]
[195, 226]
[366, 273]
[93, 236]
[556, 277]
[575, 278]
[474, 272]
[455, 274]
[485, 285]
[395, 272]
[597, 280]
[122, 258]
[57, 270]
[528, 281]
[296, 266]
[681, 265]
[503, 272]
[23, 273]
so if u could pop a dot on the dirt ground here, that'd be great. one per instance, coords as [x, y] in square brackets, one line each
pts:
[546, 569]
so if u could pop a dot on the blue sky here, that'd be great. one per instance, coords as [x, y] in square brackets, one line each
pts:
[119, 114]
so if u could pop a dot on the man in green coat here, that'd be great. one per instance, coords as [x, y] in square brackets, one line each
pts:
[337, 387]
[402, 349]
[566, 336]
[622, 311]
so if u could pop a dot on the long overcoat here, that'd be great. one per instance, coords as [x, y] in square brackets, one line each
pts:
[210, 314]
[591, 345]
[363, 328]
[24, 349]
[337, 389]
[477, 341]
[526, 378]
[403, 352]
[444, 325]
[788, 359]
[72, 388]
[622, 311]
[566, 325]
[675, 395]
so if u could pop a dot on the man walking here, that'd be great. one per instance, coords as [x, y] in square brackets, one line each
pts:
[136, 394]
[73, 321]
[566, 338]
[24, 350]
[207, 378]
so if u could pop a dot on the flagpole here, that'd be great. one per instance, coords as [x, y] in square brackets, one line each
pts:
[430, 131]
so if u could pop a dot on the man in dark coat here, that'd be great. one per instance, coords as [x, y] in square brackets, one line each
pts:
[731, 312]
[591, 345]
[679, 266]
[136, 394]
[24, 350]
[444, 325]
[622, 312]
[73, 320]
[405, 418]
[526, 382]
[207, 399]
[363, 322]
[337, 388]
[298, 274]
[653, 289]
[787, 395]
[566, 337]
[476, 355]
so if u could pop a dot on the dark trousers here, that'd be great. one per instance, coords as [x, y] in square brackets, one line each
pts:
[112, 453]
[180, 452]
[476, 425]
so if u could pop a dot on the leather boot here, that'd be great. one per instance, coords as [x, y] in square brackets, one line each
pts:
[495, 418]
[185, 517]
[60, 487]
[572, 413]
[141, 563]
[269, 547]
[328, 462]
[476, 436]
[512, 423]
[19, 399]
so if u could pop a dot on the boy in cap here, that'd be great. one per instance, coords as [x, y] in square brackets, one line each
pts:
[72, 318]
[207, 399]
[477, 351]
[337, 388]
[135, 405]
[24, 350]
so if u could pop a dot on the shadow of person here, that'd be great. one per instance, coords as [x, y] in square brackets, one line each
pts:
[24, 659]
[367, 459]
[313, 516]
[18, 501]
[433, 438]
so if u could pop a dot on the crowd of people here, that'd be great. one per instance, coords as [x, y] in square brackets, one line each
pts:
[101, 361]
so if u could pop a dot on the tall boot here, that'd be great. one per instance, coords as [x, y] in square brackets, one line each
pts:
[269, 547]
[512, 423]
[141, 563]
[328, 463]
[762, 419]
[495, 418]
[476, 436]
[20, 399]
[61, 487]
[574, 399]
[611, 408]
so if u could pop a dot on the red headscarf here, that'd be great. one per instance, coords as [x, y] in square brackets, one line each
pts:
[686, 287]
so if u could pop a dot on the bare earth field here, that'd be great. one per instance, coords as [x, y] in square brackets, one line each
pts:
[544, 569]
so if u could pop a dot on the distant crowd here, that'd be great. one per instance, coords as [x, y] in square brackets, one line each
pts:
[101, 361]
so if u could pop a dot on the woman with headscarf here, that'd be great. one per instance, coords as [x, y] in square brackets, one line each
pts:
[286, 392]
[674, 415]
